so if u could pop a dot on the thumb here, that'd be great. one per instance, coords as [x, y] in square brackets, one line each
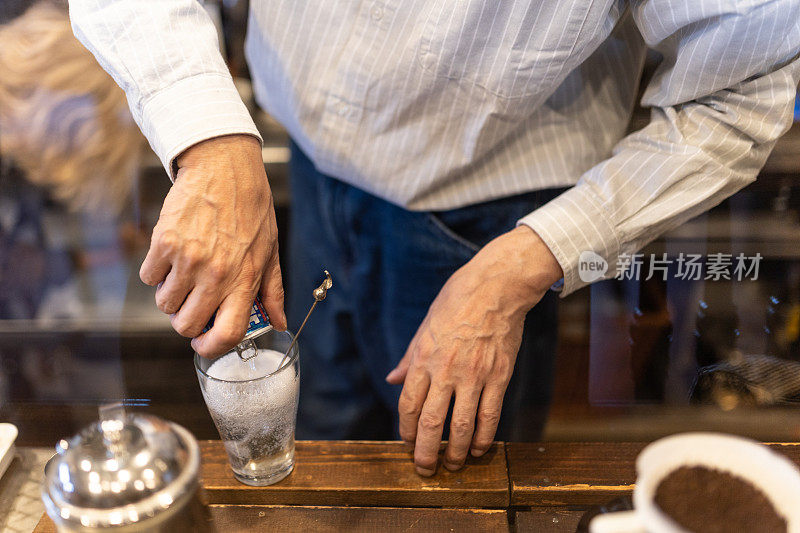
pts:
[398, 374]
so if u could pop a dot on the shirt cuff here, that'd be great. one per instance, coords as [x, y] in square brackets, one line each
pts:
[580, 234]
[192, 110]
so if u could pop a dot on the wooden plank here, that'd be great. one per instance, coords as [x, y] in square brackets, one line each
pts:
[560, 473]
[352, 473]
[334, 519]
[245, 518]
[580, 474]
[547, 520]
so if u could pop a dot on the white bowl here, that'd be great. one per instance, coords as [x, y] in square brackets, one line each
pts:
[8, 434]
[772, 473]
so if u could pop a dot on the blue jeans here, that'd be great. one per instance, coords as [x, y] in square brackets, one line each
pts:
[388, 264]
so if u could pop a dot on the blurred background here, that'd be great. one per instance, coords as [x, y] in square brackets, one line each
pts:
[80, 192]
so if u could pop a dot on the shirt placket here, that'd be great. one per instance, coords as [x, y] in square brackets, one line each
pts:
[347, 94]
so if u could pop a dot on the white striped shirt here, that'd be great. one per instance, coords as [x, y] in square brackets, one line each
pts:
[437, 104]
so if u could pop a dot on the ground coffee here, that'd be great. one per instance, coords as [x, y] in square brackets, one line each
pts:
[703, 500]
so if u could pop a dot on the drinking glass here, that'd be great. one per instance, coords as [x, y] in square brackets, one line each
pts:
[254, 406]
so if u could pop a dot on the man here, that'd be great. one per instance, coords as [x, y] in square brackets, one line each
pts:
[421, 127]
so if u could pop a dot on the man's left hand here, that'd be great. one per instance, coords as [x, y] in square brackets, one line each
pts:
[467, 346]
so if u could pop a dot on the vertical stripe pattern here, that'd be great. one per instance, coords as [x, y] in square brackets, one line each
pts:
[436, 104]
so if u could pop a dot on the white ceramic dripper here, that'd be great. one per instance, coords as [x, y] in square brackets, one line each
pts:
[772, 473]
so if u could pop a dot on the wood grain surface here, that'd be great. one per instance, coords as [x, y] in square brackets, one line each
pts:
[360, 486]
[580, 474]
[245, 518]
[547, 520]
[363, 474]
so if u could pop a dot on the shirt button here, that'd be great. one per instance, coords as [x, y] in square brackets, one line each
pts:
[342, 110]
[376, 13]
[427, 60]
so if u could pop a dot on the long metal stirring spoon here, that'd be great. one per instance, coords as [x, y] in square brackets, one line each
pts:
[319, 294]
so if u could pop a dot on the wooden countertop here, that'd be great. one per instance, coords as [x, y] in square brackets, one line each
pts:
[372, 486]
[361, 473]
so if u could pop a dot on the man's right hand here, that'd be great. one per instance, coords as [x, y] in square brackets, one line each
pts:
[215, 245]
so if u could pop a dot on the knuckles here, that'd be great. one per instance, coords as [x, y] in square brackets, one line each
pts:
[185, 328]
[476, 367]
[167, 241]
[193, 254]
[228, 335]
[424, 349]
[165, 305]
[431, 422]
[502, 367]
[461, 426]
[217, 272]
[407, 408]
[489, 417]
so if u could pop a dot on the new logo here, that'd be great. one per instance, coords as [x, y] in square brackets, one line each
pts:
[591, 266]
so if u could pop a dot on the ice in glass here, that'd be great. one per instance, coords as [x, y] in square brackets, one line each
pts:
[254, 406]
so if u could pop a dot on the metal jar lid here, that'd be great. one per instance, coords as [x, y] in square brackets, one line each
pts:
[121, 470]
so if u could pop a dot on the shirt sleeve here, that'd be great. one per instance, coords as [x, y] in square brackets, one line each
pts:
[720, 98]
[165, 56]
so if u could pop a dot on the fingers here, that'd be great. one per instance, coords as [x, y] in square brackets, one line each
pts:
[272, 293]
[411, 401]
[195, 312]
[171, 294]
[488, 417]
[429, 430]
[155, 266]
[214, 241]
[462, 425]
[229, 326]
[398, 374]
